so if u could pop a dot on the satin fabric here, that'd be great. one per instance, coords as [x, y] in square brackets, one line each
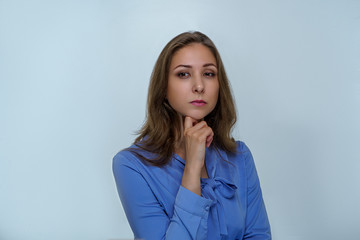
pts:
[158, 207]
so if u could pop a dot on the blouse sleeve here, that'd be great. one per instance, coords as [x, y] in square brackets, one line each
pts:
[257, 223]
[146, 215]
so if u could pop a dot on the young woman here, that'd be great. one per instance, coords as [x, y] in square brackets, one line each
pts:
[185, 177]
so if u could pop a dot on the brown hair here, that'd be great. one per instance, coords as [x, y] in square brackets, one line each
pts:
[159, 133]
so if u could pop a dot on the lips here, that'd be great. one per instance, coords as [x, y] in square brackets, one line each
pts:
[198, 103]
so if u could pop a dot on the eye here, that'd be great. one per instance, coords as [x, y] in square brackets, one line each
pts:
[209, 74]
[183, 75]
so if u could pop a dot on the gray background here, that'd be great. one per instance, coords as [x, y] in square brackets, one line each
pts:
[73, 86]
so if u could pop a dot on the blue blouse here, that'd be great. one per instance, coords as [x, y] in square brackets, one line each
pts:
[158, 207]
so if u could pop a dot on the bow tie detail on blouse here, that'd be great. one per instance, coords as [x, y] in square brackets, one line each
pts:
[214, 189]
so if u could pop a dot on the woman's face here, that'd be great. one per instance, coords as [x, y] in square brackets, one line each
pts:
[193, 85]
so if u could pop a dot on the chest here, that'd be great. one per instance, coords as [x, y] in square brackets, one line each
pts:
[226, 218]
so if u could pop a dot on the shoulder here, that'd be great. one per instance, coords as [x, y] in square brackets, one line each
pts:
[242, 151]
[128, 157]
[242, 156]
[134, 156]
[247, 162]
[238, 159]
[241, 147]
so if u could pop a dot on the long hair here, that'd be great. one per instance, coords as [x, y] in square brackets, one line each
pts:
[160, 131]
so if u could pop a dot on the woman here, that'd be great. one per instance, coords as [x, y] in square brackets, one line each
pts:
[185, 177]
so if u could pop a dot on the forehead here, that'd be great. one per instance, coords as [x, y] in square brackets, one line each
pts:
[193, 54]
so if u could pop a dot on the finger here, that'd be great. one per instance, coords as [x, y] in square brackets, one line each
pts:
[204, 134]
[209, 139]
[189, 122]
[197, 129]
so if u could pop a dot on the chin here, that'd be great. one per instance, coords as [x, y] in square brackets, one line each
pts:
[197, 116]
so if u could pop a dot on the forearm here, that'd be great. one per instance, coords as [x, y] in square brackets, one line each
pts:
[197, 135]
[147, 217]
[191, 179]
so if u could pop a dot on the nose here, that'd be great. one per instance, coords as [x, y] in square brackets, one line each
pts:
[198, 86]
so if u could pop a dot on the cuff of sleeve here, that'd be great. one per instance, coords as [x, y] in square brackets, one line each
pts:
[192, 203]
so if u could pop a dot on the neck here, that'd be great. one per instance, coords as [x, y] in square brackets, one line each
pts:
[179, 136]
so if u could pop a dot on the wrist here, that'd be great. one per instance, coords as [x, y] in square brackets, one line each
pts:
[192, 171]
[193, 167]
[191, 180]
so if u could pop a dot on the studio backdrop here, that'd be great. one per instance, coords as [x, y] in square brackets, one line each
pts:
[73, 87]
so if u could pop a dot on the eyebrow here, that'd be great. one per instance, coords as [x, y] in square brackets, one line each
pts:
[189, 66]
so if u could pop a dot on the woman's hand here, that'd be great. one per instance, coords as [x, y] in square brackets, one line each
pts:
[197, 136]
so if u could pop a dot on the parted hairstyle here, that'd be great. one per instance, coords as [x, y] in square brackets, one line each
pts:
[161, 129]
